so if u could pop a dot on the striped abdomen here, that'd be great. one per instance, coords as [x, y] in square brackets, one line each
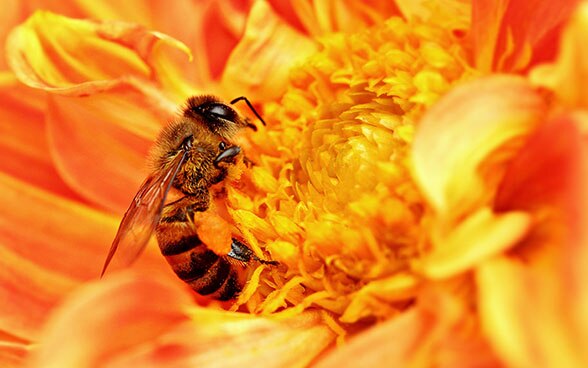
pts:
[206, 272]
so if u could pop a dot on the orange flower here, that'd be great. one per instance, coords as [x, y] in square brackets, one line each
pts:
[400, 180]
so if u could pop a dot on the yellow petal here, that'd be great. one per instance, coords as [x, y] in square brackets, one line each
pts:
[68, 55]
[458, 137]
[259, 65]
[477, 238]
[520, 315]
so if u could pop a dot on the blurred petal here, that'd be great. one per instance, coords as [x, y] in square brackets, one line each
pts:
[319, 17]
[144, 322]
[508, 35]
[288, 11]
[457, 135]
[548, 178]
[10, 16]
[35, 270]
[478, 237]
[259, 65]
[397, 340]
[48, 244]
[23, 145]
[94, 148]
[568, 76]
[101, 319]
[524, 337]
[439, 331]
[133, 10]
[80, 57]
[12, 354]
[122, 109]
[451, 14]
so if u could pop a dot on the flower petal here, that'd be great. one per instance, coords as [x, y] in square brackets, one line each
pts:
[94, 148]
[319, 17]
[439, 331]
[508, 35]
[122, 109]
[524, 337]
[48, 244]
[451, 14]
[23, 143]
[60, 54]
[456, 136]
[10, 16]
[259, 65]
[143, 322]
[12, 354]
[479, 237]
[102, 318]
[549, 178]
[568, 76]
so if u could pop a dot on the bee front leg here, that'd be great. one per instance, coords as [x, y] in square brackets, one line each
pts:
[182, 210]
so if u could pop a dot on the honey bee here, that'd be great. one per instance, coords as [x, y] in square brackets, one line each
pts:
[191, 158]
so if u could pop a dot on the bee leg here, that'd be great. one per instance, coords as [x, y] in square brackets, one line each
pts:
[227, 155]
[248, 162]
[241, 252]
[182, 210]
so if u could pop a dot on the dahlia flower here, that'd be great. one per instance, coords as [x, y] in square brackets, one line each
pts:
[421, 182]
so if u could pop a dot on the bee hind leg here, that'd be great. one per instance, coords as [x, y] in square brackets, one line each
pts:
[241, 252]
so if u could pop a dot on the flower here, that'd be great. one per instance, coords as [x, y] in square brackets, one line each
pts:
[402, 183]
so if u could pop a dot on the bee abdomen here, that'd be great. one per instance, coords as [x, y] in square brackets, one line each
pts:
[214, 278]
[205, 272]
[180, 246]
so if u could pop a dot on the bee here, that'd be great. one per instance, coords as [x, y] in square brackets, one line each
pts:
[191, 158]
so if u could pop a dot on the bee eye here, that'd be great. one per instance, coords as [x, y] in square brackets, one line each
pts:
[222, 146]
[221, 111]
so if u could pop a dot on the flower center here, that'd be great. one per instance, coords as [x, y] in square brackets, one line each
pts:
[335, 202]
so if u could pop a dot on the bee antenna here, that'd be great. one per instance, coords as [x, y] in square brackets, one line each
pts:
[250, 106]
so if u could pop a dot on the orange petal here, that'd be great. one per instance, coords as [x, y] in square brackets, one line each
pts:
[397, 341]
[60, 54]
[12, 14]
[288, 12]
[440, 334]
[136, 11]
[520, 315]
[23, 141]
[103, 318]
[144, 322]
[12, 354]
[100, 144]
[48, 245]
[319, 17]
[568, 76]
[259, 65]
[550, 178]
[450, 14]
[457, 139]
[509, 35]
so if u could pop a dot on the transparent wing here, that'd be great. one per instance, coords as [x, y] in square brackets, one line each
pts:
[142, 217]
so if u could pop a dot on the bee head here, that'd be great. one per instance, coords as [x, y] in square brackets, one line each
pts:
[217, 116]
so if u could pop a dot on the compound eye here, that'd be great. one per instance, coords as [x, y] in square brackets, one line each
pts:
[222, 111]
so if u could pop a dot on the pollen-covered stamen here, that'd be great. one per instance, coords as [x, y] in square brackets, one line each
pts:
[336, 204]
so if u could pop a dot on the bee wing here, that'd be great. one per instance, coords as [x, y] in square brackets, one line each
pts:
[142, 217]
